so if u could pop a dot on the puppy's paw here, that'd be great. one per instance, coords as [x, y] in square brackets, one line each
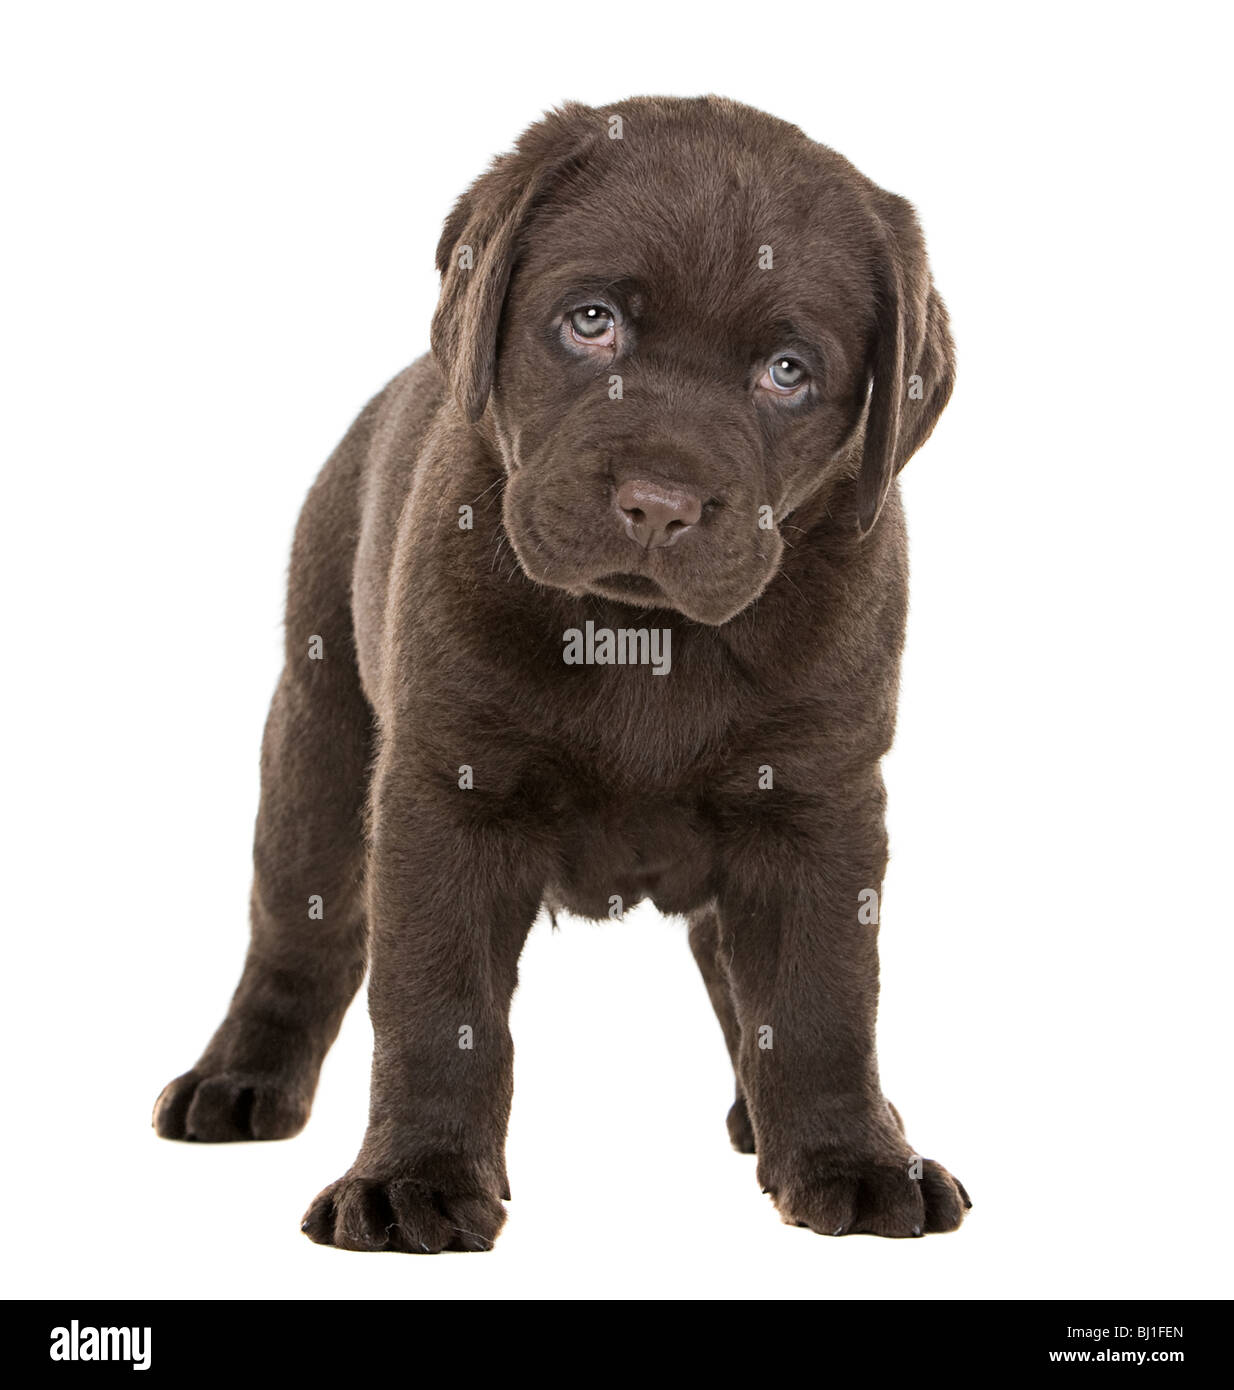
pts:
[740, 1129]
[414, 1215]
[230, 1106]
[912, 1197]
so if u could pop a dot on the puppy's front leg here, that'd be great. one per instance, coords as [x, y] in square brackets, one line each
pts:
[802, 946]
[452, 896]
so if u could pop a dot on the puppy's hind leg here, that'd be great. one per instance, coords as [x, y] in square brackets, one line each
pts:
[705, 942]
[258, 1074]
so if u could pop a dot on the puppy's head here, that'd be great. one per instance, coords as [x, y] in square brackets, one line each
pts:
[685, 320]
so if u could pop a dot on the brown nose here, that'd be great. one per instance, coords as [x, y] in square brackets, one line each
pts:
[655, 514]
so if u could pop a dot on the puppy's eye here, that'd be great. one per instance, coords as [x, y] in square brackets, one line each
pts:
[593, 325]
[784, 376]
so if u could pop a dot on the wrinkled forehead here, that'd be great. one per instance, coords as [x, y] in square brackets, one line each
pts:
[707, 231]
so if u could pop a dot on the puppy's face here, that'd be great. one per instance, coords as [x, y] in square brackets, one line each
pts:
[683, 352]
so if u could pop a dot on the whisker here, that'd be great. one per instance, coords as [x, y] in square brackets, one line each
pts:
[487, 490]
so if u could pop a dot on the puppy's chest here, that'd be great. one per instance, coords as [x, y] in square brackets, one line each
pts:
[639, 770]
[617, 853]
[656, 728]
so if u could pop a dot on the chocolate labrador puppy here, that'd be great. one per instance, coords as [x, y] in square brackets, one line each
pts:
[602, 601]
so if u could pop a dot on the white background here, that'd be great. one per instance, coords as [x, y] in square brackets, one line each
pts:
[218, 243]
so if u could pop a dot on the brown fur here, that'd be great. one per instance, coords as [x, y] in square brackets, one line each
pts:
[443, 649]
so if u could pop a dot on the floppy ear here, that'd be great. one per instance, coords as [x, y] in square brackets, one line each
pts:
[913, 365]
[480, 242]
